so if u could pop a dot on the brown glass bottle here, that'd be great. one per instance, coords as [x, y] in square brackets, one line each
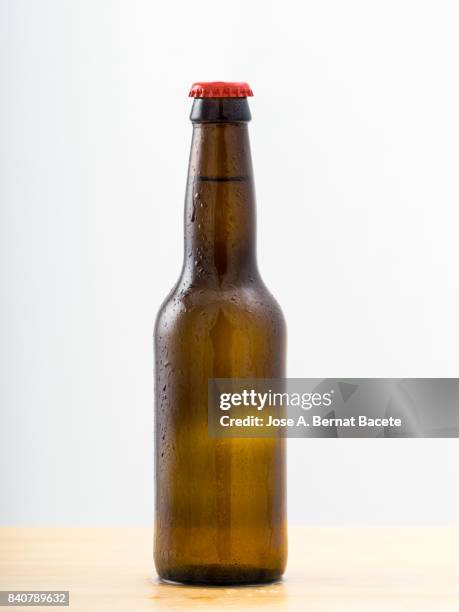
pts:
[220, 515]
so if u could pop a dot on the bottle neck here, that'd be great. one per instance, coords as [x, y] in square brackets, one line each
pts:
[220, 197]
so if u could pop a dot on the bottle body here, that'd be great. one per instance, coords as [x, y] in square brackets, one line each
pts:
[220, 514]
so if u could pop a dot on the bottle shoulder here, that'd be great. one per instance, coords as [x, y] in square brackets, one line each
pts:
[246, 301]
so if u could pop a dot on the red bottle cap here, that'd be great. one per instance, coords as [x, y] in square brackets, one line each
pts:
[220, 89]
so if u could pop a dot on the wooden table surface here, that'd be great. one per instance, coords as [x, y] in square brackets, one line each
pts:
[330, 569]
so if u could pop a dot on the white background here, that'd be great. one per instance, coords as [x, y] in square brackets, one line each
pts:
[355, 141]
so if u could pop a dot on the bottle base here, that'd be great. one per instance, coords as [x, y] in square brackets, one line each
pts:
[215, 575]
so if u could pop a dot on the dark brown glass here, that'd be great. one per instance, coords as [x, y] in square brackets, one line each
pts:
[220, 515]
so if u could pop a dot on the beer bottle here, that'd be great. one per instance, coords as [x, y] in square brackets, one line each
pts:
[220, 515]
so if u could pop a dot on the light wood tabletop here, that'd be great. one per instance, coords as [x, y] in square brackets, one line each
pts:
[330, 569]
